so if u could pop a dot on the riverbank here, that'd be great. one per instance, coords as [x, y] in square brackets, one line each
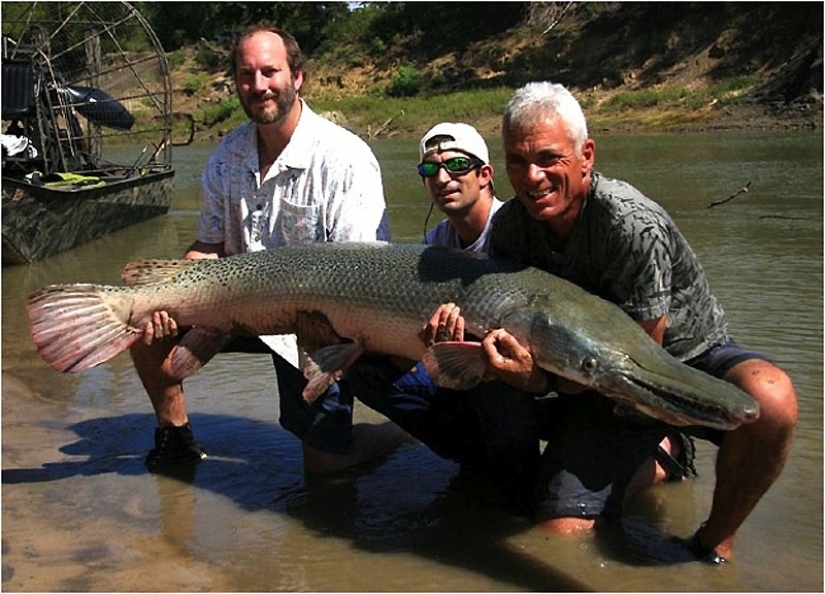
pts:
[371, 117]
[728, 66]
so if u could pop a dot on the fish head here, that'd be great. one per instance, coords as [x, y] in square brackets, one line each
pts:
[600, 347]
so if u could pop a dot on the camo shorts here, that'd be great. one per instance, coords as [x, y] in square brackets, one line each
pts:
[594, 447]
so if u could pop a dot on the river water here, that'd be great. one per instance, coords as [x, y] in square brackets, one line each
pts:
[80, 512]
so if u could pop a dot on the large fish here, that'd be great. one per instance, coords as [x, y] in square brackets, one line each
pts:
[347, 299]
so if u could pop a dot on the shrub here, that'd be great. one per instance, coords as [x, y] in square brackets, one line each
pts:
[175, 59]
[377, 46]
[193, 84]
[221, 111]
[406, 82]
[208, 58]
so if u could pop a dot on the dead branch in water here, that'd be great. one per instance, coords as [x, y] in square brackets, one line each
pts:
[382, 128]
[743, 190]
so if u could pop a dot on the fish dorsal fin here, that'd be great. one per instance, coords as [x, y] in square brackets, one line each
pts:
[147, 272]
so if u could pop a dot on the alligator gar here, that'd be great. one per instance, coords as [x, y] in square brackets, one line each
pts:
[347, 299]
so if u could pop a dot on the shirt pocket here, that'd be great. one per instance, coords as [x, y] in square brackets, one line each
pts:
[300, 223]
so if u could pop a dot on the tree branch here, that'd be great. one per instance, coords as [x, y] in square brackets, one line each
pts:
[556, 22]
[743, 190]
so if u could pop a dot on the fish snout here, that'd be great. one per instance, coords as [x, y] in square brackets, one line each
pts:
[751, 414]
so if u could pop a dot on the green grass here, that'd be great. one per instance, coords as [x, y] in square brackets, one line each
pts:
[419, 111]
[724, 92]
[659, 107]
[226, 111]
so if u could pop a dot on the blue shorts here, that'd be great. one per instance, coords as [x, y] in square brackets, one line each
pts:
[717, 362]
[721, 359]
[326, 424]
[594, 450]
[491, 428]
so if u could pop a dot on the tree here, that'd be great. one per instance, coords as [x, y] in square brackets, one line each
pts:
[183, 23]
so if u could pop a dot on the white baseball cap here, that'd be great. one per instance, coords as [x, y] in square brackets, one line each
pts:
[465, 138]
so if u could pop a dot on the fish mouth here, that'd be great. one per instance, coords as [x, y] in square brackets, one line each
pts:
[683, 397]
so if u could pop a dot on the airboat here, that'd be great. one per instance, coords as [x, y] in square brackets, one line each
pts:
[87, 125]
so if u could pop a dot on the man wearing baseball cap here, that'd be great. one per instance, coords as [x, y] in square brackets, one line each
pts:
[454, 165]
[491, 429]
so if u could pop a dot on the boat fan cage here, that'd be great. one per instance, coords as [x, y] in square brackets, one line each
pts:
[85, 89]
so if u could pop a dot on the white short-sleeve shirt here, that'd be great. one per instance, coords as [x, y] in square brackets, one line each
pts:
[325, 186]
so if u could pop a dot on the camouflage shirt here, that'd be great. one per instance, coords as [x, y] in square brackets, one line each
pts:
[626, 249]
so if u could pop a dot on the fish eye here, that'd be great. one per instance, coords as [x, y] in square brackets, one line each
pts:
[589, 365]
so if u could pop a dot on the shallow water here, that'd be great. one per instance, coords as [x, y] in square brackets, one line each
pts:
[80, 513]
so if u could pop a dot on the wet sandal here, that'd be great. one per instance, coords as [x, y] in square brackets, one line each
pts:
[681, 468]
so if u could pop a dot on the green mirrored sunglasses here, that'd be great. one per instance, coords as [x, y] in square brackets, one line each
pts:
[454, 166]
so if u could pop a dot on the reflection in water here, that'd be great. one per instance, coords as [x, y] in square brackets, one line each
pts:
[81, 513]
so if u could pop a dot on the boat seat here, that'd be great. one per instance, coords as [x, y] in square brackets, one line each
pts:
[18, 84]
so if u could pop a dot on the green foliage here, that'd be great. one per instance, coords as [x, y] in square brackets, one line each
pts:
[184, 23]
[437, 26]
[12, 13]
[347, 37]
[733, 85]
[377, 46]
[406, 82]
[634, 99]
[194, 83]
[222, 111]
[208, 58]
[724, 92]
[463, 45]
[136, 42]
[175, 59]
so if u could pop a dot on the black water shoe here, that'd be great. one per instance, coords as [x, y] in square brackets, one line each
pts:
[174, 447]
[703, 553]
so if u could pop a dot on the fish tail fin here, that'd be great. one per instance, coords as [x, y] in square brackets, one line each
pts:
[75, 327]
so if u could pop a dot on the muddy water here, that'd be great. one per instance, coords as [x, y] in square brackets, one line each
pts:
[80, 513]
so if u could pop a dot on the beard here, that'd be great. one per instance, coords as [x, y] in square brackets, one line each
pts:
[269, 115]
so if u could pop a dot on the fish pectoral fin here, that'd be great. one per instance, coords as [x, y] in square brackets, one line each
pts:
[196, 349]
[325, 366]
[455, 365]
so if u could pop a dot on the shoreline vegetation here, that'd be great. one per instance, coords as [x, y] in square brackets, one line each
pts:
[630, 112]
[704, 67]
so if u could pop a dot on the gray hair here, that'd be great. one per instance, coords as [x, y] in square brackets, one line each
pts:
[536, 102]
